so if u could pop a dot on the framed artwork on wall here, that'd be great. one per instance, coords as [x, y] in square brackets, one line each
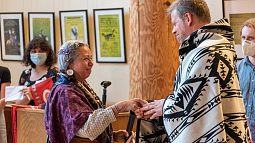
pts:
[110, 35]
[42, 24]
[237, 12]
[12, 36]
[74, 26]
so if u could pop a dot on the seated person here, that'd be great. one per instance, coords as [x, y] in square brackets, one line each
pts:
[40, 56]
[73, 108]
[5, 80]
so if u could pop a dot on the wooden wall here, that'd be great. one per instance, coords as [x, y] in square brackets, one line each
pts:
[154, 58]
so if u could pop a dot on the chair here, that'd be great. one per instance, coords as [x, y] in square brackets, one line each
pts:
[147, 130]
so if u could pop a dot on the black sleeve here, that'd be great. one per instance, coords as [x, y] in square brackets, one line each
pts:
[6, 75]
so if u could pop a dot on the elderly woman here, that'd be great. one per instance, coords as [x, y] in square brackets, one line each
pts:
[73, 108]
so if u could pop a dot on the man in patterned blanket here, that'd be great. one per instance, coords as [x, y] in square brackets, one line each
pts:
[206, 104]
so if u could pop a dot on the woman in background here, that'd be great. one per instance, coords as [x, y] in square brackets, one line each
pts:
[5, 80]
[40, 56]
[73, 108]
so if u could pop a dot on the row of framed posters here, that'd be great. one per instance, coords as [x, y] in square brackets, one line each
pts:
[109, 32]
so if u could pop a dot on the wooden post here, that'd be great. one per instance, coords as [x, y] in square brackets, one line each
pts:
[154, 57]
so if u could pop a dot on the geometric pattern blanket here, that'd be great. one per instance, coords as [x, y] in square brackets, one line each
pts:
[206, 104]
[150, 131]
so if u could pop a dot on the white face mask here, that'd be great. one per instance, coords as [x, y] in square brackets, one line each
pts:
[248, 48]
[38, 58]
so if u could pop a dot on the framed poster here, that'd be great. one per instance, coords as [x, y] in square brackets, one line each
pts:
[12, 36]
[237, 16]
[74, 26]
[110, 35]
[42, 24]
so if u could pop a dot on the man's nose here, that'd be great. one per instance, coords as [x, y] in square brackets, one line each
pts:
[173, 31]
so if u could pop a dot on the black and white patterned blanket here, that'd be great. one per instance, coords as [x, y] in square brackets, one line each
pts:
[207, 105]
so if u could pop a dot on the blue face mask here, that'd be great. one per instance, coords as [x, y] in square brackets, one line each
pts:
[38, 58]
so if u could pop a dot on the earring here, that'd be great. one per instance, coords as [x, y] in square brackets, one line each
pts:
[69, 72]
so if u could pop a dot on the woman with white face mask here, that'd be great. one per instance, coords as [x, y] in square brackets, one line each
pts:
[246, 72]
[40, 56]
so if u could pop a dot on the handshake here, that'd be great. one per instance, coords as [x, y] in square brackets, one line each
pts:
[141, 107]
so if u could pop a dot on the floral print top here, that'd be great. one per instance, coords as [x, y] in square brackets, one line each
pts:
[25, 78]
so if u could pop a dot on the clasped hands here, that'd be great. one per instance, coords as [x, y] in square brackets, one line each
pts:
[143, 109]
[149, 110]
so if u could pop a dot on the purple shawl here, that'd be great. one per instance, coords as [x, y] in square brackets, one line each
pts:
[66, 111]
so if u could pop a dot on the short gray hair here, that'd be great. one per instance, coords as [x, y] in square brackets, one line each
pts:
[199, 8]
[68, 52]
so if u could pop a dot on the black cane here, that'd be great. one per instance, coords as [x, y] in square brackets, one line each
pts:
[105, 84]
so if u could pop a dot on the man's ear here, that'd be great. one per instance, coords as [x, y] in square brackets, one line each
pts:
[188, 19]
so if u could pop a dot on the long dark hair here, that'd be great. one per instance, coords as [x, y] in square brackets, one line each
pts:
[39, 42]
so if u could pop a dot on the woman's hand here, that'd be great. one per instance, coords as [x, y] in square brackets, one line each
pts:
[27, 93]
[131, 104]
[120, 135]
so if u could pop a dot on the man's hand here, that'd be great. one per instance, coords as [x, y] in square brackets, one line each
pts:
[154, 109]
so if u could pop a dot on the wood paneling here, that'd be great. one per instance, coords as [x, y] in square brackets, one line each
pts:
[30, 126]
[135, 53]
[153, 50]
